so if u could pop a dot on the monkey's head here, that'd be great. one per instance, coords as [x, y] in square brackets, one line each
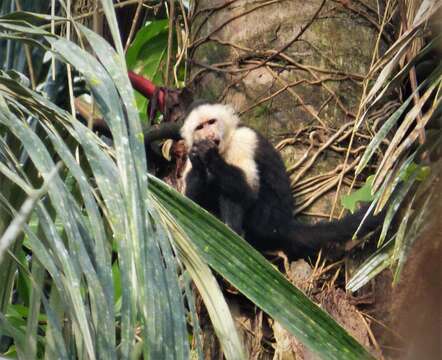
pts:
[215, 122]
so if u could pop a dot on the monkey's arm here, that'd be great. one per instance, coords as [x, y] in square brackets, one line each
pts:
[197, 189]
[196, 184]
[236, 196]
[228, 180]
[229, 183]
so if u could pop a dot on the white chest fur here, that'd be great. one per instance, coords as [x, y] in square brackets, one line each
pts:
[241, 153]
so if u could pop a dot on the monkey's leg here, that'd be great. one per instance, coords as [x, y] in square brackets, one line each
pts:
[196, 186]
[232, 214]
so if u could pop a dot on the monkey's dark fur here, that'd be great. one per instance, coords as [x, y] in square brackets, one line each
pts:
[264, 217]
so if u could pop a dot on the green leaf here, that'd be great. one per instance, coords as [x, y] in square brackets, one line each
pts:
[380, 260]
[255, 277]
[403, 246]
[364, 194]
[36, 19]
[147, 39]
[156, 280]
[394, 205]
[390, 122]
[23, 285]
[420, 172]
[145, 55]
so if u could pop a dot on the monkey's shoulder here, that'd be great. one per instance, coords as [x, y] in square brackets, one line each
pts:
[242, 145]
[241, 153]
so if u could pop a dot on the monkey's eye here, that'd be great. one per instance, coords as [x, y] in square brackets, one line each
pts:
[212, 121]
[199, 127]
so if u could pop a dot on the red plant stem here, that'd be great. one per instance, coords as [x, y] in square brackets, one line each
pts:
[146, 88]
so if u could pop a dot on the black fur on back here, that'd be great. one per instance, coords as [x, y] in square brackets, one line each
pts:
[269, 223]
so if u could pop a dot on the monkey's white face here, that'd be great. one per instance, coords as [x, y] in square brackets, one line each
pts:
[210, 129]
[210, 122]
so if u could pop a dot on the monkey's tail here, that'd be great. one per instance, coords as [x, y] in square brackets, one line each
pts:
[309, 238]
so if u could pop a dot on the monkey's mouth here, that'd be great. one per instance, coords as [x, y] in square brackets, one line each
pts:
[216, 141]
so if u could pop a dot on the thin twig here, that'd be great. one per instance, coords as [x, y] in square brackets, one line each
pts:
[290, 85]
[312, 188]
[53, 33]
[118, 5]
[297, 97]
[198, 42]
[413, 51]
[301, 160]
[371, 336]
[313, 180]
[292, 41]
[28, 55]
[284, 56]
[134, 24]
[295, 38]
[170, 41]
[320, 150]
[68, 66]
[210, 11]
[386, 327]
[348, 5]
[325, 188]
[183, 53]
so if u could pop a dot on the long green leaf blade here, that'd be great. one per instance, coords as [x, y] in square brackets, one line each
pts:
[255, 277]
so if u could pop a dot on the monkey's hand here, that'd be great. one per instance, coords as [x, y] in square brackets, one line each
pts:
[203, 152]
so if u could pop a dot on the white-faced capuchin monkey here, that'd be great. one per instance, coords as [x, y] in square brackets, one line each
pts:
[235, 173]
